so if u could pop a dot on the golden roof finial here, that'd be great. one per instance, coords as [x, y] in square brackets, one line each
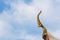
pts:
[40, 25]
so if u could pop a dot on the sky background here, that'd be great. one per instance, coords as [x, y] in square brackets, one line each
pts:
[18, 19]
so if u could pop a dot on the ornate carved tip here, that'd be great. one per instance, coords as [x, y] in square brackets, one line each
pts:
[38, 21]
[40, 25]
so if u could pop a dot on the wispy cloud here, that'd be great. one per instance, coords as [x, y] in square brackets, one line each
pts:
[19, 23]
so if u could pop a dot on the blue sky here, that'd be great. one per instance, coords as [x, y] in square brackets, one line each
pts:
[18, 19]
[3, 6]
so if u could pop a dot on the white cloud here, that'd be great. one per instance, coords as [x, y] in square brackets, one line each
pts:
[56, 34]
[26, 12]
[57, 1]
[24, 35]
[22, 12]
[4, 28]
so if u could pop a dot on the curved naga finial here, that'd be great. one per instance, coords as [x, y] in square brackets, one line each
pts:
[40, 25]
[46, 35]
